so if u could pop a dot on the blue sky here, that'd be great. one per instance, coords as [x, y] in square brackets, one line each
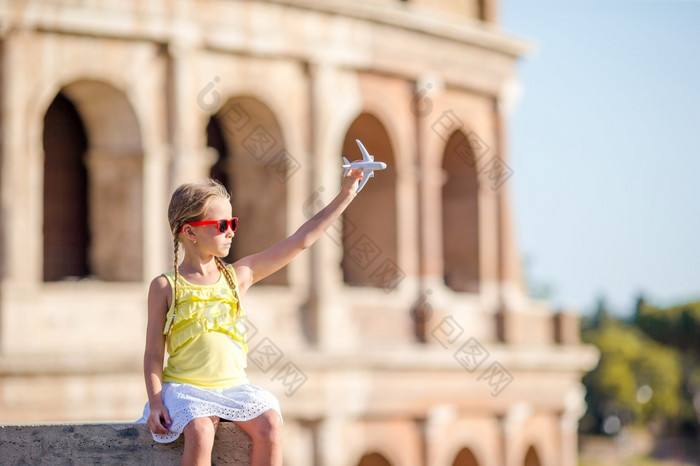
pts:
[603, 145]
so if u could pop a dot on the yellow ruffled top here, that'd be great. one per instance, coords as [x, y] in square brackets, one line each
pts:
[207, 345]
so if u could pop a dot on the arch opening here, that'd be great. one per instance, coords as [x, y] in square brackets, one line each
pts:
[460, 215]
[373, 459]
[370, 256]
[465, 457]
[65, 223]
[251, 158]
[531, 458]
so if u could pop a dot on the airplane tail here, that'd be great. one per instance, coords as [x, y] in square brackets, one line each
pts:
[346, 166]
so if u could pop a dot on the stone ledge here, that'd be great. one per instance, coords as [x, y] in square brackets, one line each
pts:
[110, 444]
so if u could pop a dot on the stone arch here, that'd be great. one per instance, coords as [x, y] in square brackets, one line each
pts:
[370, 222]
[531, 457]
[253, 163]
[111, 156]
[460, 215]
[373, 459]
[465, 457]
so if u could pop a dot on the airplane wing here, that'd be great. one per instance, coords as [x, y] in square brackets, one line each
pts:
[366, 175]
[365, 155]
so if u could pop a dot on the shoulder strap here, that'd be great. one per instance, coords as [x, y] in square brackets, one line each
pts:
[170, 276]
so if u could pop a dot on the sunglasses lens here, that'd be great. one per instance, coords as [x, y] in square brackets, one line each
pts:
[222, 225]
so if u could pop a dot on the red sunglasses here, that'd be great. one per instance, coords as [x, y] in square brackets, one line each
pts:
[221, 225]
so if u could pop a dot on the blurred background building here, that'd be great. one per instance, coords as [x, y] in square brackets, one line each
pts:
[404, 337]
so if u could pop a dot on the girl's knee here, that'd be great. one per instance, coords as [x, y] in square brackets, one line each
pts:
[201, 430]
[269, 426]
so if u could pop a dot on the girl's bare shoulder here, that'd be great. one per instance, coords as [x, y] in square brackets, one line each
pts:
[159, 287]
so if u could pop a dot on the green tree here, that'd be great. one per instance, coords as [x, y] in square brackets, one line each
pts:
[636, 379]
[601, 313]
[678, 327]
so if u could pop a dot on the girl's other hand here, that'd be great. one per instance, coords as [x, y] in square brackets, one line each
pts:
[158, 420]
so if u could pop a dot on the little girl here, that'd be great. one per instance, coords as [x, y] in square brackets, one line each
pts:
[195, 310]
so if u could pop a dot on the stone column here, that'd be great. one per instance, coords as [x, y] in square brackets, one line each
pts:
[191, 159]
[329, 437]
[512, 429]
[511, 287]
[431, 179]
[335, 100]
[490, 13]
[574, 409]
[156, 239]
[21, 165]
[439, 420]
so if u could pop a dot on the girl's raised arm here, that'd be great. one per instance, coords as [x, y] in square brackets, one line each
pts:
[252, 269]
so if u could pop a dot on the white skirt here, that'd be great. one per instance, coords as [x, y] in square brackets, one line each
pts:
[186, 402]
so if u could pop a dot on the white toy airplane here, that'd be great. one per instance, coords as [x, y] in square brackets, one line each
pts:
[368, 165]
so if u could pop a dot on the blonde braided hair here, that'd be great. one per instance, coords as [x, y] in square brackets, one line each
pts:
[189, 203]
[227, 274]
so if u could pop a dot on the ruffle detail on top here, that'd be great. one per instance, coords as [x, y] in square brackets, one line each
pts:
[209, 308]
[185, 329]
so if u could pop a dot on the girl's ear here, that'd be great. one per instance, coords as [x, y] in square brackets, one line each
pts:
[188, 233]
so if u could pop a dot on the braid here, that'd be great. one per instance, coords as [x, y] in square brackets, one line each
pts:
[176, 260]
[224, 270]
[227, 274]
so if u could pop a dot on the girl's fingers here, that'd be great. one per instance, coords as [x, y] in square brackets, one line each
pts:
[158, 422]
[159, 428]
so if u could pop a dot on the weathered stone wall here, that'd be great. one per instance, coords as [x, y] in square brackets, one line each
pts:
[407, 324]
